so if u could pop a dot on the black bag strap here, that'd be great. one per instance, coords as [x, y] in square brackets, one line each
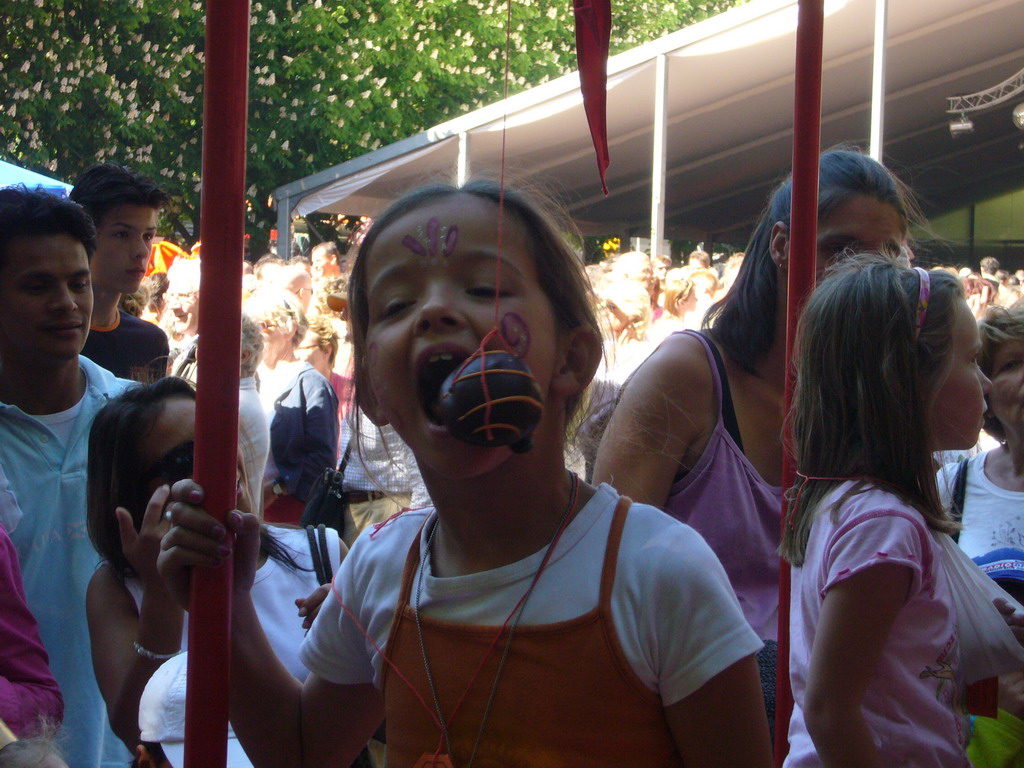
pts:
[325, 554]
[732, 426]
[956, 501]
[345, 457]
[317, 536]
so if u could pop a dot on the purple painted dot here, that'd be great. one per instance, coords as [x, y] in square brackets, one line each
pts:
[515, 333]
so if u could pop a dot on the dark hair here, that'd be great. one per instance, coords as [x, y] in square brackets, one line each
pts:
[559, 269]
[743, 323]
[28, 213]
[116, 477]
[865, 386]
[115, 474]
[156, 286]
[109, 185]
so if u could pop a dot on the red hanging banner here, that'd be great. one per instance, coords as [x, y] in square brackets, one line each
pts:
[593, 35]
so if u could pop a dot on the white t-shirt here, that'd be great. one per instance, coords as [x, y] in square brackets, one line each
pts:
[253, 438]
[274, 591]
[993, 516]
[62, 422]
[676, 615]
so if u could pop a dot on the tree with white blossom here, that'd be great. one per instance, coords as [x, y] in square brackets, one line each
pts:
[85, 81]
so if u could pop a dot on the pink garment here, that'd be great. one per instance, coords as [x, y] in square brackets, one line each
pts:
[737, 512]
[342, 386]
[914, 702]
[27, 688]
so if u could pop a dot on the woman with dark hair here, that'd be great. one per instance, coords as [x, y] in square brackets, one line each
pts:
[698, 429]
[141, 443]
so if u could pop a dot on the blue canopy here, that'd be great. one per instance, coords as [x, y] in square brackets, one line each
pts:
[11, 175]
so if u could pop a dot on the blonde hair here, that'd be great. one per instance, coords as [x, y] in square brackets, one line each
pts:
[709, 276]
[633, 265]
[699, 259]
[327, 337]
[633, 301]
[278, 308]
[252, 339]
[999, 326]
[678, 288]
[324, 289]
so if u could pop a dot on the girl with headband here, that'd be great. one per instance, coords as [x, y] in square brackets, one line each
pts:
[887, 374]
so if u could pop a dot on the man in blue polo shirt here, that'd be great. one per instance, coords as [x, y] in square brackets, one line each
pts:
[49, 396]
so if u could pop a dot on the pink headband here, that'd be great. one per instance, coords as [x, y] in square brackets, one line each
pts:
[924, 293]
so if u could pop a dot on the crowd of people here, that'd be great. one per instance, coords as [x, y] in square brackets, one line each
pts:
[603, 592]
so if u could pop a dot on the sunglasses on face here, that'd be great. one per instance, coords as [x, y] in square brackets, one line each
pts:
[174, 465]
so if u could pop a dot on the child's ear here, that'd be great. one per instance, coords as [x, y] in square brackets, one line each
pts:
[580, 355]
[778, 245]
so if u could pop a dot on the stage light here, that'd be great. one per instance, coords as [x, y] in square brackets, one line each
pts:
[961, 126]
[1018, 116]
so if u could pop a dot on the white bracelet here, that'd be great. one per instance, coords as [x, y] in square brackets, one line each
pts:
[148, 654]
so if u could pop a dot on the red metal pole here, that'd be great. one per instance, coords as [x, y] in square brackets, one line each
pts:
[803, 231]
[222, 231]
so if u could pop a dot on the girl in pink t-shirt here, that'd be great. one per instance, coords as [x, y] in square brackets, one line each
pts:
[886, 374]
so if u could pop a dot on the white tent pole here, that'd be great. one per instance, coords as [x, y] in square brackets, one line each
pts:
[462, 170]
[284, 228]
[658, 165]
[878, 81]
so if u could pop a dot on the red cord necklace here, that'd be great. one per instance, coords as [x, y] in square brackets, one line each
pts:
[437, 758]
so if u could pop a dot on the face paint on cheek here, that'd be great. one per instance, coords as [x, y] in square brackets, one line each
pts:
[434, 243]
[515, 333]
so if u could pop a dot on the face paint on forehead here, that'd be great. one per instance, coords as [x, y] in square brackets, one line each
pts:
[433, 242]
[515, 333]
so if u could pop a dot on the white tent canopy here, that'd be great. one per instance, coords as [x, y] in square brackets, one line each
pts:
[728, 111]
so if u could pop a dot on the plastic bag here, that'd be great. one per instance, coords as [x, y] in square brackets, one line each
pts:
[988, 647]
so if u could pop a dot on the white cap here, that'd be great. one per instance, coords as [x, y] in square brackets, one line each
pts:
[162, 715]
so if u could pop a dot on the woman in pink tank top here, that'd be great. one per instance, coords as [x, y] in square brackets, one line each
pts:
[698, 428]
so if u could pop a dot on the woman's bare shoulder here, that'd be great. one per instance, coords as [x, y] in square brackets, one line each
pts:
[680, 372]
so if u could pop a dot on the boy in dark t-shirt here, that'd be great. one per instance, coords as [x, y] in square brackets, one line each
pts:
[123, 205]
[130, 349]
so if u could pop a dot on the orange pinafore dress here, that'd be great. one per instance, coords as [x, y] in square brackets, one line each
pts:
[567, 695]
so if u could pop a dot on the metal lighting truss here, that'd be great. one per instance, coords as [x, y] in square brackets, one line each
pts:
[997, 94]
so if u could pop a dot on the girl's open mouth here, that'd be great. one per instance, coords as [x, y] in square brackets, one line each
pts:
[431, 374]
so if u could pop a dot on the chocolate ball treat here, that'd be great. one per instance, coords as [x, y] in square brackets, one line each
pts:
[492, 400]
